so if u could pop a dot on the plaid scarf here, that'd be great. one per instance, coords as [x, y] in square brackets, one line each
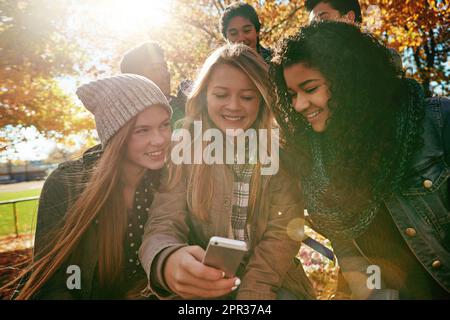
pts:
[241, 192]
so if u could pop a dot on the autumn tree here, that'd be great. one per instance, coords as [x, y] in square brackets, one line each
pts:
[418, 29]
[196, 24]
[34, 51]
[43, 40]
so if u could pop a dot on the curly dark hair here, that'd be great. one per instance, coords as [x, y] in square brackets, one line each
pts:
[365, 153]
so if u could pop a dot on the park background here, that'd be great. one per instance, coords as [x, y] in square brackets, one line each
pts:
[49, 47]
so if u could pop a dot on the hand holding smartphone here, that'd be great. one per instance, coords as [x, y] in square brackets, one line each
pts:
[225, 254]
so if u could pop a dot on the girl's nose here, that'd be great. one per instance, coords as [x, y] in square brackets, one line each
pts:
[158, 139]
[234, 103]
[301, 103]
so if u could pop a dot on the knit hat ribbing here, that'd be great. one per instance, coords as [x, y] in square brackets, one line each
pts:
[115, 100]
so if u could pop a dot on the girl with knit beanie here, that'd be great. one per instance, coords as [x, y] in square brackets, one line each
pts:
[373, 157]
[92, 210]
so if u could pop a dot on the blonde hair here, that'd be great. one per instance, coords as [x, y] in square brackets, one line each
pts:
[200, 185]
[101, 199]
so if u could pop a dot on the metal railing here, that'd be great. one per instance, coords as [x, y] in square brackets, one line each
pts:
[13, 202]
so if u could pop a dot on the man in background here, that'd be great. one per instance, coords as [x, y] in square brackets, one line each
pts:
[338, 10]
[346, 11]
[148, 60]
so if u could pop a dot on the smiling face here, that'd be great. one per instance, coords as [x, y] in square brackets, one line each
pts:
[309, 94]
[149, 141]
[232, 98]
[242, 30]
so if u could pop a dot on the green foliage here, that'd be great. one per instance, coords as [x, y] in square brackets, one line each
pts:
[26, 212]
[34, 51]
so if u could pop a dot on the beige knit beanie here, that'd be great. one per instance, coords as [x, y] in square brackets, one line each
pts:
[115, 100]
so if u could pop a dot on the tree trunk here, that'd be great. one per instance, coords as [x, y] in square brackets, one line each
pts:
[424, 76]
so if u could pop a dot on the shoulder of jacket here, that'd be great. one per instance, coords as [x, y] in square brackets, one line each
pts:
[64, 174]
[443, 103]
[89, 158]
[438, 109]
[71, 165]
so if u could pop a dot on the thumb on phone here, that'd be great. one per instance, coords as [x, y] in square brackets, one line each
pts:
[208, 272]
[197, 252]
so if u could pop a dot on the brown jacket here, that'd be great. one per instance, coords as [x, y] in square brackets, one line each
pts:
[272, 262]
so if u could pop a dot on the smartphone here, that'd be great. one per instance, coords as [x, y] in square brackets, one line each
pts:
[225, 254]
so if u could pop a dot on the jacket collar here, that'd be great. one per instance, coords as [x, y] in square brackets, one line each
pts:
[91, 156]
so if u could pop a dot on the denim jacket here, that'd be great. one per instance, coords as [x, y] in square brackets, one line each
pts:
[420, 210]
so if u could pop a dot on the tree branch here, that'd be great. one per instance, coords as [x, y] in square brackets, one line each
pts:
[431, 58]
[219, 6]
[420, 70]
[197, 25]
[282, 21]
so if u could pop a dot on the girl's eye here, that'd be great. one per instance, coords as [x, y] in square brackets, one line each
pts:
[166, 125]
[141, 131]
[220, 95]
[311, 90]
[248, 98]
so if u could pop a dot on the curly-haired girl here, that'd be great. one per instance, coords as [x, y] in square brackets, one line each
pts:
[373, 157]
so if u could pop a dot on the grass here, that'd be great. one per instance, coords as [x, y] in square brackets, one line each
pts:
[26, 212]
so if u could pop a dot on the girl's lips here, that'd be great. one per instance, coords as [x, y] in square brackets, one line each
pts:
[233, 118]
[156, 155]
[312, 116]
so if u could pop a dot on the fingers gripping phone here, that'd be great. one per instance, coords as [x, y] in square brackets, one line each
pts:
[225, 254]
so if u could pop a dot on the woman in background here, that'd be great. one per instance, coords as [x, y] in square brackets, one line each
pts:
[239, 23]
